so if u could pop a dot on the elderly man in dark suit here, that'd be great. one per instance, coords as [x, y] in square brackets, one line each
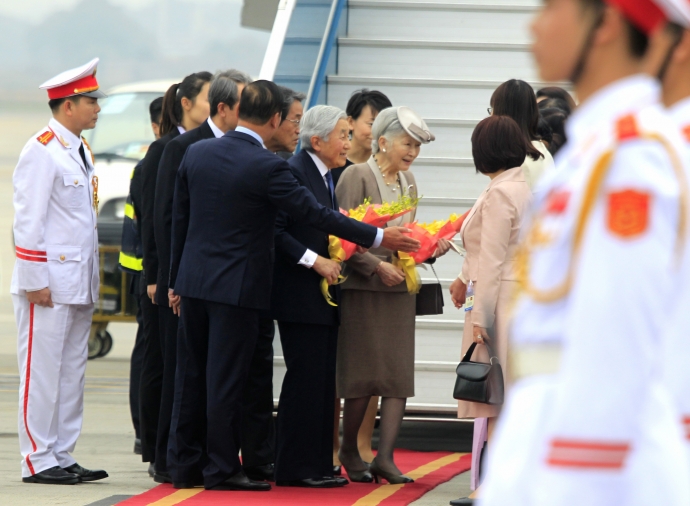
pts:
[224, 100]
[228, 193]
[308, 324]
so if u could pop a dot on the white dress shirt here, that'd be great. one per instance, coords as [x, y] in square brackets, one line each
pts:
[251, 133]
[216, 131]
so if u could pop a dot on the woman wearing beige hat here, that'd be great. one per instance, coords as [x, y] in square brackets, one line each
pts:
[376, 336]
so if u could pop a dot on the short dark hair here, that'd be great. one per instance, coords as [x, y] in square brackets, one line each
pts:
[555, 103]
[516, 99]
[155, 110]
[289, 98]
[544, 130]
[497, 144]
[224, 89]
[364, 97]
[190, 87]
[556, 119]
[554, 92]
[55, 103]
[260, 101]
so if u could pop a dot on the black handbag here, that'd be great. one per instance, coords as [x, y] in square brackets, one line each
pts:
[430, 298]
[477, 381]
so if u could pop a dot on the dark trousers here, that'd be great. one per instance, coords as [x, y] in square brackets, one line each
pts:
[135, 365]
[219, 341]
[304, 442]
[151, 380]
[169, 323]
[258, 428]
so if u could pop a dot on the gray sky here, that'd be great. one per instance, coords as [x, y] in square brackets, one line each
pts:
[35, 11]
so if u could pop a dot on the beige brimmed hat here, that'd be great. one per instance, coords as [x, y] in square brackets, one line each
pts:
[415, 125]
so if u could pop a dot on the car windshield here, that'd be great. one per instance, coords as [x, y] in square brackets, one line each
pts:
[124, 126]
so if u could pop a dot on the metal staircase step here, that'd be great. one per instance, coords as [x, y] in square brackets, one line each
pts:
[440, 20]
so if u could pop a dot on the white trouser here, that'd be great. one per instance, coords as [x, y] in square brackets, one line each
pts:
[52, 347]
[517, 474]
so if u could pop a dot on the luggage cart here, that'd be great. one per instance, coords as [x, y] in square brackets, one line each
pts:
[115, 303]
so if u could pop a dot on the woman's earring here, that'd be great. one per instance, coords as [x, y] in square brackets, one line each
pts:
[384, 150]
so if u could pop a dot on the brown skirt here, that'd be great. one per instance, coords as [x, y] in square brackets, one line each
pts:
[376, 344]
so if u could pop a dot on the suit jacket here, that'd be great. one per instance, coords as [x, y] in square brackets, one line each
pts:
[357, 183]
[296, 295]
[149, 171]
[227, 195]
[165, 190]
[490, 235]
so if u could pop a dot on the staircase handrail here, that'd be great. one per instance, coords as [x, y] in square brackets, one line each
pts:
[277, 39]
[327, 44]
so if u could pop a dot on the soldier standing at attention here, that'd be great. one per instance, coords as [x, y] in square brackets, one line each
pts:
[55, 281]
[589, 418]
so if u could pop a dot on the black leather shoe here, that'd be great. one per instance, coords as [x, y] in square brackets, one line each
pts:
[86, 474]
[310, 483]
[53, 476]
[339, 480]
[241, 482]
[188, 484]
[162, 477]
[337, 471]
[137, 446]
[260, 473]
[463, 501]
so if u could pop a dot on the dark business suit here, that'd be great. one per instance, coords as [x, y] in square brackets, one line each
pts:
[228, 193]
[152, 367]
[308, 333]
[168, 321]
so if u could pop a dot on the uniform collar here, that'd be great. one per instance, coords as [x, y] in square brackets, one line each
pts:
[610, 103]
[251, 133]
[66, 138]
[217, 132]
[319, 164]
[680, 112]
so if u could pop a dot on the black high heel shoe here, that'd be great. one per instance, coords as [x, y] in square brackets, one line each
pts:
[357, 476]
[393, 479]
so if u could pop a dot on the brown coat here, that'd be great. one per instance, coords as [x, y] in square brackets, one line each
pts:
[356, 184]
[490, 235]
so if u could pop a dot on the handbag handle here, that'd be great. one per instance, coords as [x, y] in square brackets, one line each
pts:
[473, 346]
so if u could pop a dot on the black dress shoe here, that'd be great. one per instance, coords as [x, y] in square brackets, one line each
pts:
[241, 482]
[463, 501]
[188, 484]
[162, 477]
[137, 446]
[86, 474]
[338, 479]
[260, 473]
[53, 476]
[310, 483]
[337, 470]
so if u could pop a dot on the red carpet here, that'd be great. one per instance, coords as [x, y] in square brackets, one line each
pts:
[429, 469]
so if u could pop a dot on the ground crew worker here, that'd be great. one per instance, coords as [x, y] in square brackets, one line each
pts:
[55, 281]
[675, 78]
[589, 419]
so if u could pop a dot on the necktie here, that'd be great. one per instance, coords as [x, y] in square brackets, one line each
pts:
[83, 156]
[331, 189]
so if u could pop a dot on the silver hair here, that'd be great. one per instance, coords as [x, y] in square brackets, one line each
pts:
[385, 125]
[319, 121]
[224, 90]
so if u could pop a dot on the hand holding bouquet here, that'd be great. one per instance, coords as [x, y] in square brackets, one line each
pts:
[430, 233]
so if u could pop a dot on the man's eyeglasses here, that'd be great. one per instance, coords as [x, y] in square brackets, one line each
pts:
[295, 122]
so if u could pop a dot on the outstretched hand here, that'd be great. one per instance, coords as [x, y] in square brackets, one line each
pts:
[397, 239]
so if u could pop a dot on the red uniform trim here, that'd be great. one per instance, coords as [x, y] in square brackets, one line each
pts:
[686, 133]
[644, 14]
[626, 128]
[587, 454]
[26, 387]
[46, 137]
[84, 85]
[31, 259]
[686, 426]
[31, 252]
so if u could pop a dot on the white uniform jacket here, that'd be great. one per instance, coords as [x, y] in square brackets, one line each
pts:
[55, 232]
[678, 346]
[594, 423]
